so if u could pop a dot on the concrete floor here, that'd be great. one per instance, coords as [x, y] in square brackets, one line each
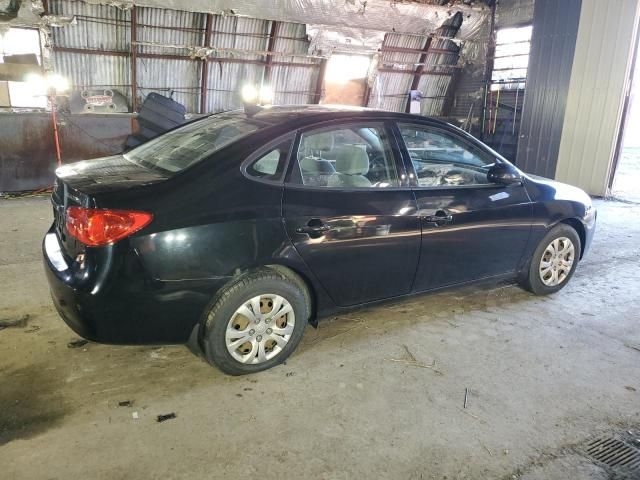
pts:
[544, 375]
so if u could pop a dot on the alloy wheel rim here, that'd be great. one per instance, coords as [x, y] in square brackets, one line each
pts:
[260, 329]
[557, 261]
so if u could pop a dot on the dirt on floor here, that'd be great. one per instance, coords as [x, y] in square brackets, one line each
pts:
[378, 393]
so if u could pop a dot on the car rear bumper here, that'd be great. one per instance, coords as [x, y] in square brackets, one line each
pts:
[109, 298]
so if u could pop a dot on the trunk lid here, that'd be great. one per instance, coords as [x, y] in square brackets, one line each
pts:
[107, 174]
[78, 184]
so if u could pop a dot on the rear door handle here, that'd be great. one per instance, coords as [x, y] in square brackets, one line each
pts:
[314, 228]
[440, 218]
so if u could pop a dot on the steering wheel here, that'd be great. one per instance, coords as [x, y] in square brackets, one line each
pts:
[377, 168]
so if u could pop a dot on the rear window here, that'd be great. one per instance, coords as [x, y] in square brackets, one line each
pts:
[179, 149]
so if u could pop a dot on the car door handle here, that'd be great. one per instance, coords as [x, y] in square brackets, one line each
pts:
[440, 218]
[313, 228]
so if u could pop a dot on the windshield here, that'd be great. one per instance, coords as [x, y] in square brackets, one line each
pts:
[180, 148]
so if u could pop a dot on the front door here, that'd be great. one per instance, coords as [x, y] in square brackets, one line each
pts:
[471, 228]
[350, 214]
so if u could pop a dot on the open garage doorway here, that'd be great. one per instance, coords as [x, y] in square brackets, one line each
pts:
[626, 180]
[345, 80]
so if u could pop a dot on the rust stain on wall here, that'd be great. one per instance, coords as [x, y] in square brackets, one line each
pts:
[27, 152]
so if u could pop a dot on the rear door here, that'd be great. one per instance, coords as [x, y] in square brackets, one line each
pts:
[471, 228]
[350, 212]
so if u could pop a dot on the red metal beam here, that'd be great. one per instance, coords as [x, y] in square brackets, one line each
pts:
[488, 67]
[419, 70]
[117, 53]
[268, 61]
[179, 57]
[411, 72]
[417, 50]
[134, 61]
[204, 78]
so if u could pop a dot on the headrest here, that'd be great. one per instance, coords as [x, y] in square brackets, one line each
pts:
[352, 160]
[320, 141]
[312, 166]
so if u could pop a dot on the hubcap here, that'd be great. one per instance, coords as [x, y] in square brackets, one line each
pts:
[557, 261]
[260, 328]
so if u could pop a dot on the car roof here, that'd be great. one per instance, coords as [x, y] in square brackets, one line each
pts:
[302, 115]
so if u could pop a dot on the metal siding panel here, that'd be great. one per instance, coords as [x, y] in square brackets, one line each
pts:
[225, 82]
[255, 35]
[99, 27]
[293, 85]
[402, 59]
[468, 91]
[95, 71]
[594, 105]
[164, 76]
[390, 90]
[434, 88]
[555, 27]
[299, 46]
[187, 28]
[511, 13]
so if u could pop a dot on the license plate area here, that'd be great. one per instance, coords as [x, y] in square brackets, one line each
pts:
[59, 220]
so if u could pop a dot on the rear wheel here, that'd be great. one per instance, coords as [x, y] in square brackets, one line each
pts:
[256, 322]
[554, 261]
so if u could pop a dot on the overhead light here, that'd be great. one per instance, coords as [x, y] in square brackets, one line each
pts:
[249, 94]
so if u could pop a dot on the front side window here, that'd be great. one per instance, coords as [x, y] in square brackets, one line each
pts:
[185, 146]
[351, 156]
[271, 164]
[441, 159]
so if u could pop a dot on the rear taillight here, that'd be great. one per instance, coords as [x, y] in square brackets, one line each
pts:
[96, 227]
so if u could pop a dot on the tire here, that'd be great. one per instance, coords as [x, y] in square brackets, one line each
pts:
[222, 320]
[532, 278]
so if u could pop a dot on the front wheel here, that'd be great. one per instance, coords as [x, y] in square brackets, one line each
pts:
[554, 261]
[256, 322]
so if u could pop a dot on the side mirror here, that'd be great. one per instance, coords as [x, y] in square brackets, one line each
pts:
[504, 174]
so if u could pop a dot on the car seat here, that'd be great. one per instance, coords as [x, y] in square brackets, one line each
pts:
[352, 164]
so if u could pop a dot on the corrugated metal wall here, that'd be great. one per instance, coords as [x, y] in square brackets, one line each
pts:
[398, 63]
[598, 82]
[99, 28]
[509, 13]
[178, 78]
[390, 89]
[555, 28]
[96, 52]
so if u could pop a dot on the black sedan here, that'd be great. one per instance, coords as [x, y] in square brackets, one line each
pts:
[240, 228]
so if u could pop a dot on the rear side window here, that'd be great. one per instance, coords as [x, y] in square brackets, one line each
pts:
[349, 156]
[180, 148]
[270, 165]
